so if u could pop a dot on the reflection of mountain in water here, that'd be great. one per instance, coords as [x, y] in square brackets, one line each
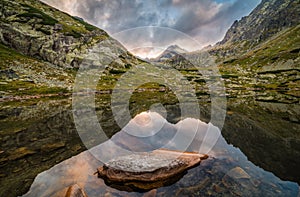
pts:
[227, 171]
[268, 133]
[51, 136]
[34, 136]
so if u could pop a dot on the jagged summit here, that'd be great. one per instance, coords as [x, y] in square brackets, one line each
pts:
[266, 20]
[170, 52]
[265, 42]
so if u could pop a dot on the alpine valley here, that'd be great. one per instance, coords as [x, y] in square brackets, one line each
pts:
[42, 49]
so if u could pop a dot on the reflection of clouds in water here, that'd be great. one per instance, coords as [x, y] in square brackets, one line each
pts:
[76, 170]
[227, 161]
[145, 125]
[149, 131]
[206, 137]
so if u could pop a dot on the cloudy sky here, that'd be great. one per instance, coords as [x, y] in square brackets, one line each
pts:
[205, 21]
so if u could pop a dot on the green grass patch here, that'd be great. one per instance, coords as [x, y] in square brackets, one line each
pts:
[101, 37]
[73, 33]
[281, 47]
[7, 55]
[36, 13]
[72, 26]
[87, 26]
[21, 88]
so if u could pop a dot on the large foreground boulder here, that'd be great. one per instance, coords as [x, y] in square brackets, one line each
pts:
[146, 171]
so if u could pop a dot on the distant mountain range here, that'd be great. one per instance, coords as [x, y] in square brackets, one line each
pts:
[265, 22]
[265, 42]
[261, 50]
[41, 49]
[271, 21]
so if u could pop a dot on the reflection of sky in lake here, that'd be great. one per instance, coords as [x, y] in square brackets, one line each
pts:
[227, 171]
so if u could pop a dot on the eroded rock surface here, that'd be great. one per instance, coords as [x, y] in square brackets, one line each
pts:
[146, 171]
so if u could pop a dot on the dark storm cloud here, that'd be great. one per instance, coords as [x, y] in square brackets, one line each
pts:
[204, 20]
[208, 20]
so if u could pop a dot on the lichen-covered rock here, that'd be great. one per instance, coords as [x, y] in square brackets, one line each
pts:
[147, 171]
[43, 47]
[35, 29]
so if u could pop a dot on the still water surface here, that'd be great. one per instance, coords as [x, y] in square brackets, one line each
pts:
[257, 154]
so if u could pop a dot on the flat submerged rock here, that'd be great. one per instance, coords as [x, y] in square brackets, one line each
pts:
[148, 170]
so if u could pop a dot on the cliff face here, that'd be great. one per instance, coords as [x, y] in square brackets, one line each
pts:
[42, 47]
[263, 49]
[269, 18]
[38, 30]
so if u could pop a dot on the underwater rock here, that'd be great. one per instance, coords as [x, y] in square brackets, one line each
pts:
[75, 191]
[146, 171]
[238, 173]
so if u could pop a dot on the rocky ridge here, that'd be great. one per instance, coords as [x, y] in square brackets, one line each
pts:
[268, 19]
[42, 47]
[261, 51]
[38, 30]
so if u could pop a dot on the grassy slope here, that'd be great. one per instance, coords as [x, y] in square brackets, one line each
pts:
[46, 15]
[20, 82]
[275, 51]
[23, 75]
[283, 46]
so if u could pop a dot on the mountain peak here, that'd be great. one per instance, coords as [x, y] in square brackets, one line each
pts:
[267, 19]
[170, 52]
[176, 48]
